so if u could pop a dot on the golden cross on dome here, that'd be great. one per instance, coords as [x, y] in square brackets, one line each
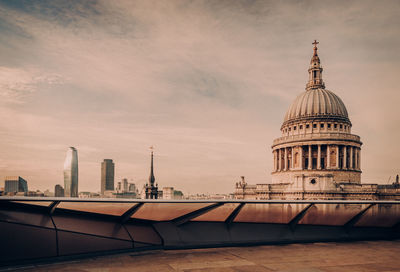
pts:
[315, 43]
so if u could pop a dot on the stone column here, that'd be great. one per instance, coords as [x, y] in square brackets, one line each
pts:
[328, 157]
[286, 156]
[292, 162]
[337, 156]
[359, 159]
[309, 158]
[344, 157]
[356, 158]
[301, 158]
[278, 160]
[351, 157]
[319, 157]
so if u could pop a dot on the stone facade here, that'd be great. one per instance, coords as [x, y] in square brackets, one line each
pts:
[317, 156]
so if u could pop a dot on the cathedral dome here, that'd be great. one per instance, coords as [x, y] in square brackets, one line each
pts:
[316, 103]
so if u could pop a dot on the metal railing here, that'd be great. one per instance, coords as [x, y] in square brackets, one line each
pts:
[34, 229]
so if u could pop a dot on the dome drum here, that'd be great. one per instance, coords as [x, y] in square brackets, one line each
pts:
[311, 119]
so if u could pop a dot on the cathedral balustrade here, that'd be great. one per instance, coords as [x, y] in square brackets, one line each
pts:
[317, 136]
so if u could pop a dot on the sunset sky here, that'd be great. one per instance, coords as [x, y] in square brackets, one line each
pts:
[206, 82]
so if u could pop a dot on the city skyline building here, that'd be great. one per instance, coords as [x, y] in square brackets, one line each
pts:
[71, 173]
[107, 175]
[125, 184]
[132, 187]
[58, 191]
[15, 184]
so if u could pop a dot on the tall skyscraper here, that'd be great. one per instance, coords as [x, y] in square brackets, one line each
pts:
[107, 176]
[71, 173]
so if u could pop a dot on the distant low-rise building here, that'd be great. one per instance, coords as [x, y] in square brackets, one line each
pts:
[88, 195]
[48, 193]
[209, 196]
[168, 192]
[15, 184]
[125, 195]
[171, 193]
[36, 193]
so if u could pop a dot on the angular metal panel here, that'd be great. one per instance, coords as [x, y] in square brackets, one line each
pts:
[28, 217]
[331, 214]
[35, 203]
[95, 226]
[204, 233]
[70, 243]
[269, 213]
[380, 215]
[166, 211]
[144, 234]
[21, 242]
[250, 233]
[219, 214]
[117, 209]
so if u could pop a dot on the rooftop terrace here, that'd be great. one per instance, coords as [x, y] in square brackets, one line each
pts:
[313, 257]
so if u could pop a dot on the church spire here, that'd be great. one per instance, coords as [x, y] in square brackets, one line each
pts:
[315, 71]
[151, 178]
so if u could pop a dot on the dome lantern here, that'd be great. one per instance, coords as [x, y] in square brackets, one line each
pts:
[315, 71]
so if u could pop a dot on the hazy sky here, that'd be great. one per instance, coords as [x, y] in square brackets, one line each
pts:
[206, 82]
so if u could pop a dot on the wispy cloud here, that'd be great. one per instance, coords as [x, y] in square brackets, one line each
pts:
[16, 84]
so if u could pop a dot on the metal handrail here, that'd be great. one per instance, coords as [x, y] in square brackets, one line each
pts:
[107, 200]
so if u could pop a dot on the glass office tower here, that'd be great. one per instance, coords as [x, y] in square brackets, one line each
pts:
[71, 173]
[107, 176]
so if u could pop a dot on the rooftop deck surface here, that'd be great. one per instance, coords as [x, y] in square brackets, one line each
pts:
[313, 257]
